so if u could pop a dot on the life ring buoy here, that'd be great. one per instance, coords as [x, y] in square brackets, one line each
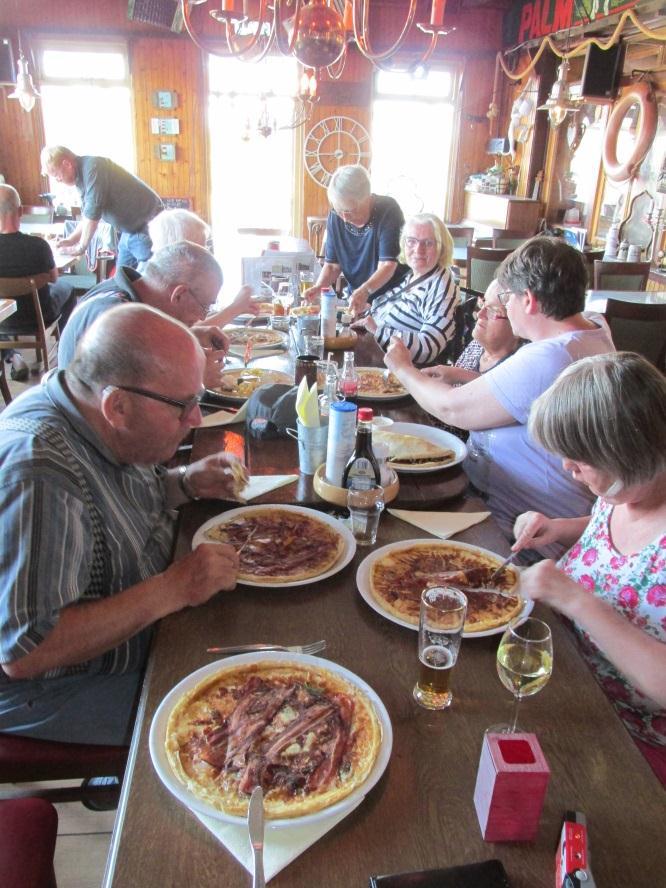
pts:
[642, 94]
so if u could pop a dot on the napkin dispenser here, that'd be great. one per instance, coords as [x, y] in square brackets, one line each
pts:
[510, 787]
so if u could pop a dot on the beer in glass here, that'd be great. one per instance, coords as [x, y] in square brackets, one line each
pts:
[441, 624]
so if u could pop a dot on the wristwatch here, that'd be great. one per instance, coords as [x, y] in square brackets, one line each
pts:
[184, 486]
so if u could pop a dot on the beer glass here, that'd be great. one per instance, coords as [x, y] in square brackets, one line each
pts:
[441, 624]
[524, 663]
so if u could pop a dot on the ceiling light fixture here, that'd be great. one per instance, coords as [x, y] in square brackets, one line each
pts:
[25, 90]
[559, 103]
[316, 33]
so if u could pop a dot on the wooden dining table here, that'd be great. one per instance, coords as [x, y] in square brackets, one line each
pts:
[421, 813]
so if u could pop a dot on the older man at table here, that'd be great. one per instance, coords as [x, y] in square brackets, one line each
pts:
[22, 255]
[182, 280]
[362, 238]
[110, 193]
[88, 526]
[543, 290]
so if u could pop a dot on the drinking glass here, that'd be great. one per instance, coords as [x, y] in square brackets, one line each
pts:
[524, 663]
[285, 295]
[306, 279]
[441, 624]
[314, 345]
[365, 503]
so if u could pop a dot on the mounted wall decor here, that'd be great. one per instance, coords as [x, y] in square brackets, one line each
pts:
[643, 95]
[333, 142]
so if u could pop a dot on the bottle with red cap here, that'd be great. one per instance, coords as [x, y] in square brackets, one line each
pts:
[362, 469]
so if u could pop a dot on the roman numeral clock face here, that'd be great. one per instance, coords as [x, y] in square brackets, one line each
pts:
[334, 142]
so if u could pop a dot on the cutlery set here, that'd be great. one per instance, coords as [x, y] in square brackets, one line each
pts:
[314, 648]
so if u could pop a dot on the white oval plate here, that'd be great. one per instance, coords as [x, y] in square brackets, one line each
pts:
[435, 436]
[347, 553]
[161, 718]
[363, 584]
[370, 396]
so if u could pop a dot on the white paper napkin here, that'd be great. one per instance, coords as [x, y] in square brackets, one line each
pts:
[281, 846]
[260, 484]
[224, 417]
[441, 524]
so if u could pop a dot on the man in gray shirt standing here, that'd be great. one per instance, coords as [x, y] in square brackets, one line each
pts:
[110, 193]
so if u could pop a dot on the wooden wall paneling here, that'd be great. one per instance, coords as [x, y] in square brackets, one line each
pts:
[21, 140]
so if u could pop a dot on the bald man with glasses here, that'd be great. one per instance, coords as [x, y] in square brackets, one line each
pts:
[86, 512]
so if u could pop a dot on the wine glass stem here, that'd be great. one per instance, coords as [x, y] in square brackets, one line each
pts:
[514, 723]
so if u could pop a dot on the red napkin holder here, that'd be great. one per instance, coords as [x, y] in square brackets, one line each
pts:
[510, 787]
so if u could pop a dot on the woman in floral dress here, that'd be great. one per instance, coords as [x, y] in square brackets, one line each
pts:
[606, 417]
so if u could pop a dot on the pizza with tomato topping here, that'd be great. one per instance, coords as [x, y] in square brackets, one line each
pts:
[259, 337]
[279, 545]
[304, 734]
[375, 382]
[398, 578]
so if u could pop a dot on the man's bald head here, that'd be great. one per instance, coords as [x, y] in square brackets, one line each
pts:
[10, 200]
[132, 344]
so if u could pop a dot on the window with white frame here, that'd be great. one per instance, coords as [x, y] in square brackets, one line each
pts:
[86, 101]
[413, 132]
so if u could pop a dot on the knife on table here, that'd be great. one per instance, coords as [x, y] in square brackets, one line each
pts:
[255, 824]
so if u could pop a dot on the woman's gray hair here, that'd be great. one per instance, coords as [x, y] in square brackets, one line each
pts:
[609, 412]
[125, 346]
[440, 232]
[171, 226]
[350, 183]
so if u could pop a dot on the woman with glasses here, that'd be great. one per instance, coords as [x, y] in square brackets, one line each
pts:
[362, 238]
[422, 308]
[612, 581]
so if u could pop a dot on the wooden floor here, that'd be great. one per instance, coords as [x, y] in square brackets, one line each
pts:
[83, 836]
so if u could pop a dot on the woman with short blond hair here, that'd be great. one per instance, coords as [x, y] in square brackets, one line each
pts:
[606, 417]
[422, 308]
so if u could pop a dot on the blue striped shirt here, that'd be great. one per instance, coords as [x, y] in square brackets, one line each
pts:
[424, 315]
[46, 559]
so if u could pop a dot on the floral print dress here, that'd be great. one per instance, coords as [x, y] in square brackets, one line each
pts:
[635, 585]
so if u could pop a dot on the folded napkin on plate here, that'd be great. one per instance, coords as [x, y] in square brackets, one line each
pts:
[489, 874]
[260, 484]
[441, 524]
[281, 846]
[224, 417]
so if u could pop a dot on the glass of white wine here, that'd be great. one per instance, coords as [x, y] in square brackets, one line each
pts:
[524, 663]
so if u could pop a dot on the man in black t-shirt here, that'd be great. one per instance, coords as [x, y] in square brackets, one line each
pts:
[22, 255]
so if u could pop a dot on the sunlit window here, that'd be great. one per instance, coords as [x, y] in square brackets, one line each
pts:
[252, 156]
[413, 127]
[86, 103]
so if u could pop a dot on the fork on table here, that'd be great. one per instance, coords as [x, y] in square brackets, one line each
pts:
[312, 648]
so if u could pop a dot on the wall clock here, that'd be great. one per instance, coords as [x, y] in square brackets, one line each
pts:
[333, 142]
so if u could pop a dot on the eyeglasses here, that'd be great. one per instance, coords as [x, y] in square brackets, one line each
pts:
[492, 313]
[186, 407]
[414, 242]
[504, 296]
[205, 307]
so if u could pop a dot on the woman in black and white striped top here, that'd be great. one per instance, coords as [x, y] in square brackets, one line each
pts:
[421, 309]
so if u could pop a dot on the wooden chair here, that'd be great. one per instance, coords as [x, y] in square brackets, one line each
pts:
[504, 238]
[482, 263]
[464, 324]
[24, 759]
[590, 257]
[4, 385]
[26, 288]
[639, 327]
[462, 235]
[621, 275]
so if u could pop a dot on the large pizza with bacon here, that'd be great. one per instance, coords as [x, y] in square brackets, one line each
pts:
[398, 578]
[305, 734]
[373, 382]
[261, 337]
[278, 545]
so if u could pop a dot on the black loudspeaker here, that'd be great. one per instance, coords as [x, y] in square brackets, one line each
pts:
[602, 71]
[7, 69]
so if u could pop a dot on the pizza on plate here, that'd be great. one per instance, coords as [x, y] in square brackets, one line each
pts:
[241, 383]
[259, 337]
[398, 578]
[301, 311]
[411, 450]
[280, 545]
[305, 734]
[373, 381]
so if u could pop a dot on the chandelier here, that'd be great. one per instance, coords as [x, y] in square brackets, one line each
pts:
[316, 33]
